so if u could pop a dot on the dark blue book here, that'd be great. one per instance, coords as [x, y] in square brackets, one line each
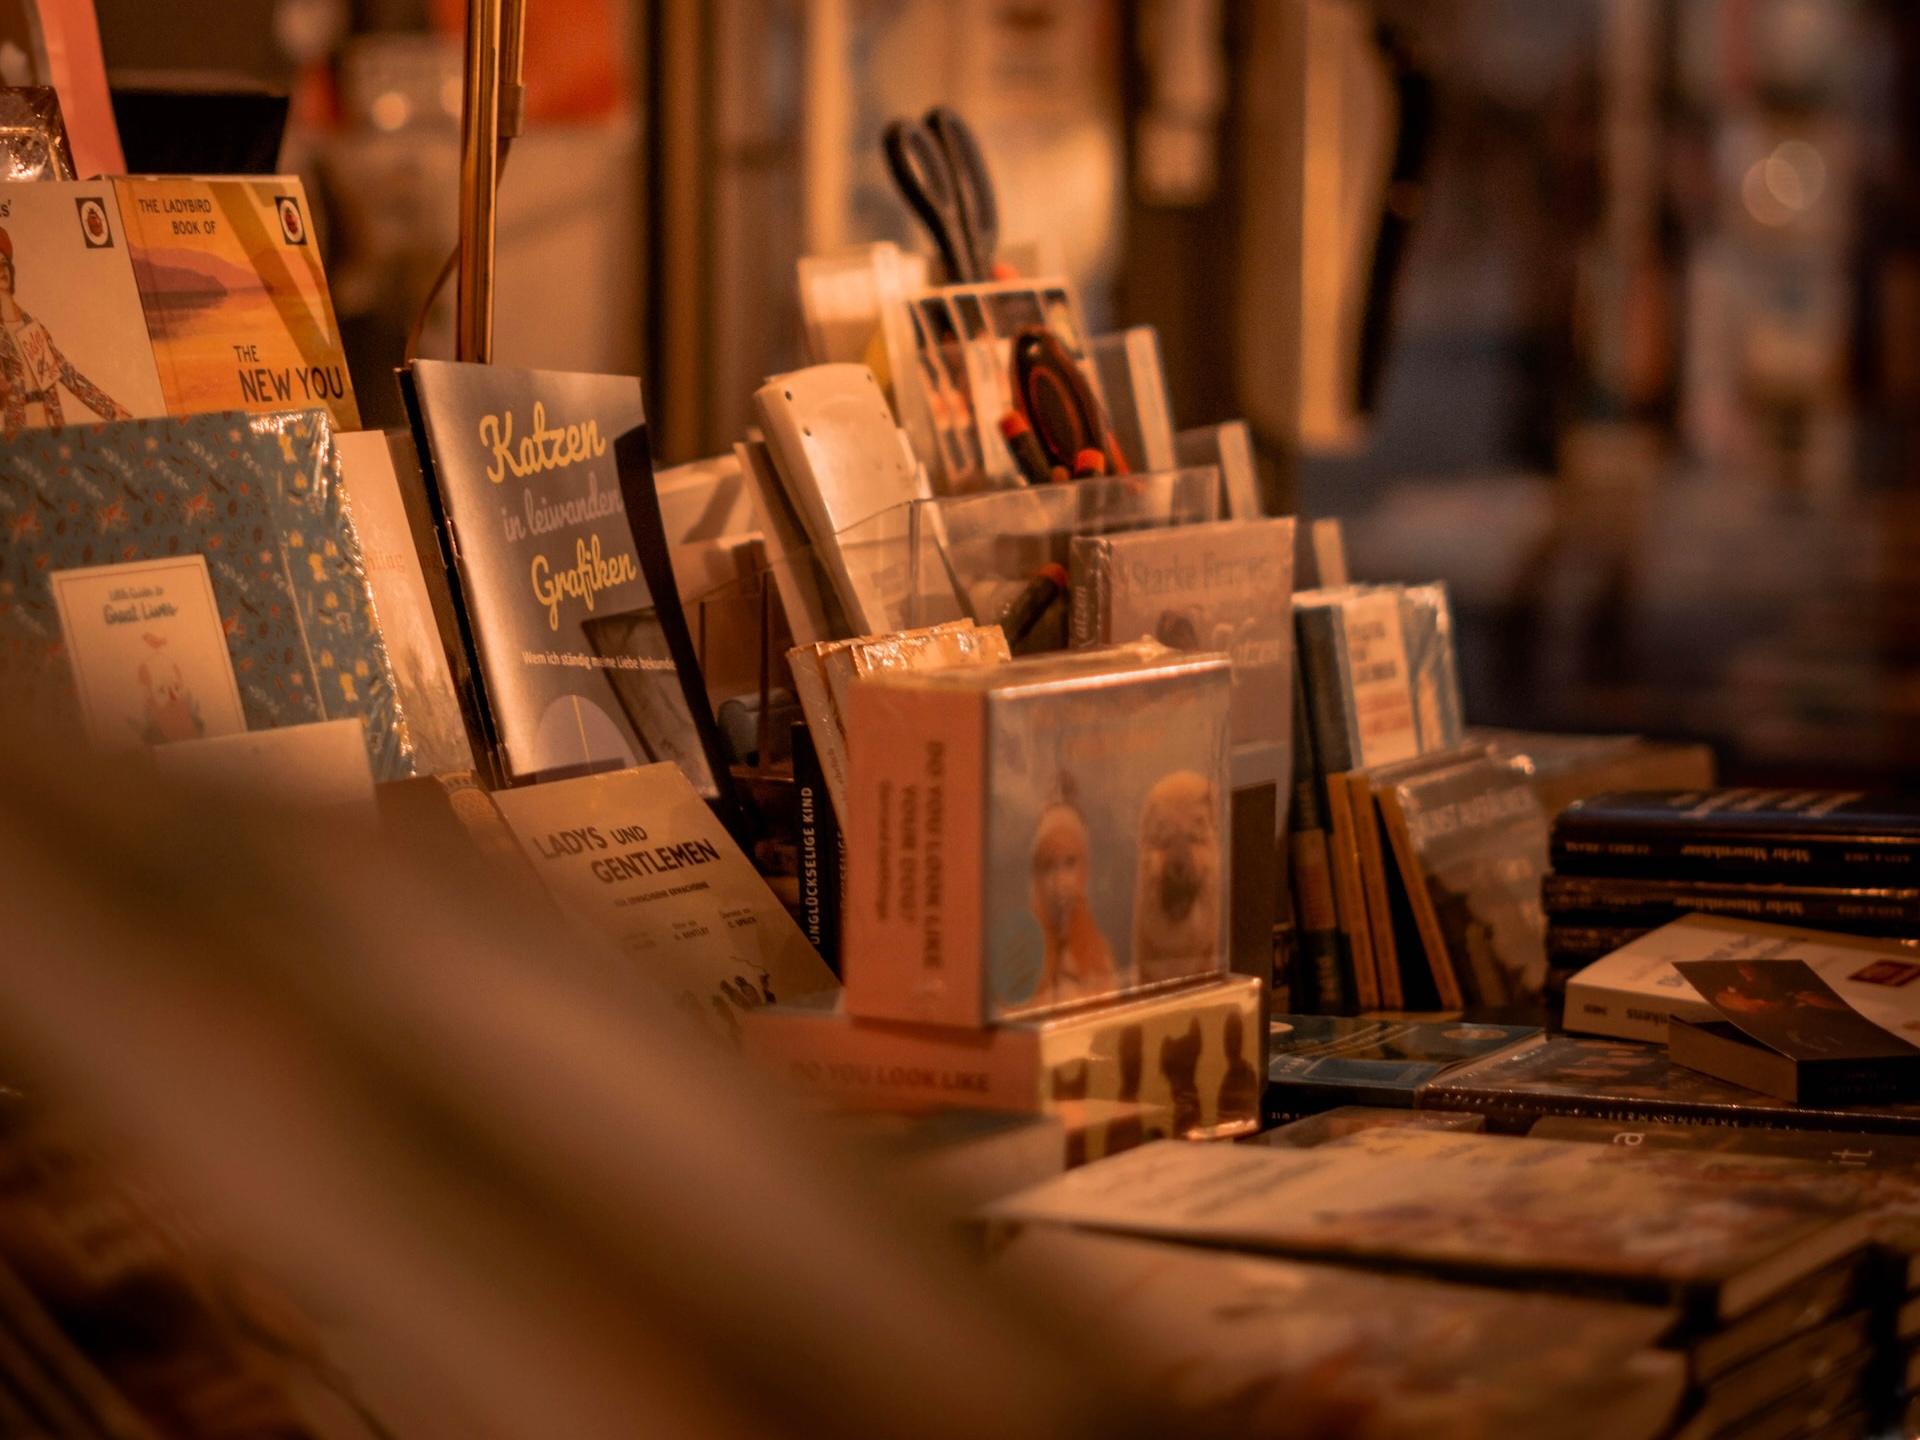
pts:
[1316, 1062]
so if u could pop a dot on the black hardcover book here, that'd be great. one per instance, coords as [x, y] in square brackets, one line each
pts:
[1842, 837]
[543, 496]
[819, 850]
[1629, 1081]
[1647, 904]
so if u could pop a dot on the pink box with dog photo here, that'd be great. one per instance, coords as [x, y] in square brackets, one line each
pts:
[1037, 834]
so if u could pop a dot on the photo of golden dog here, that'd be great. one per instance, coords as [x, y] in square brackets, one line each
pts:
[1177, 900]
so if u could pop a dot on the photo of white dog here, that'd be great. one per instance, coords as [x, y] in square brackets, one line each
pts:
[1177, 902]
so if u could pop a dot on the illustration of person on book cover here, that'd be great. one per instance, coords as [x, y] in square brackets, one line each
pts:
[32, 367]
[1077, 959]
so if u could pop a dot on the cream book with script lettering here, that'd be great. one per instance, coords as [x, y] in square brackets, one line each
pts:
[642, 860]
[574, 631]
[149, 652]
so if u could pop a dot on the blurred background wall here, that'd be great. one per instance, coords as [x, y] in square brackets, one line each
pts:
[1606, 311]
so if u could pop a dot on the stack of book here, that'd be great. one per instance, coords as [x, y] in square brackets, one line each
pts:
[1629, 862]
[1756, 1279]
[1037, 910]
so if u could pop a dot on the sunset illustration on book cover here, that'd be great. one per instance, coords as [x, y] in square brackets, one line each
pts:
[235, 296]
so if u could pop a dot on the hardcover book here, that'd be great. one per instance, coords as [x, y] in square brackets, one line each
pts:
[1788, 1032]
[1181, 1062]
[1670, 1228]
[1235, 1344]
[580, 652]
[1035, 833]
[1632, 993]
[73, 339]
[1798, 837]
[1433, 672]
[235, 297]
[1319, 1061]
[1633, 1081]
[155, 570]
[640, 858]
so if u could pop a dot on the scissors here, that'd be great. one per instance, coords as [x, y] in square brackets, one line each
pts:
[941, 174]
[1058, 402]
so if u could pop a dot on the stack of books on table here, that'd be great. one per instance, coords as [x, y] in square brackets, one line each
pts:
[1720, 1298]
[1037, 911]
[1629, 862]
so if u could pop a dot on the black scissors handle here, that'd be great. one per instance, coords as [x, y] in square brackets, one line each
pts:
[928, 184]
[972, 185]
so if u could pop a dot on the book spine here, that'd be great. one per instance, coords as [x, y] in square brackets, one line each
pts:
[1320, 643]
[898, 1067]
[1595, 900]
[1373, 884]
[914, 938]
[1318, 969]
[1685, 850]
[1511, 1111]
[819, 851]
[1349, 896]
[1596, 1010]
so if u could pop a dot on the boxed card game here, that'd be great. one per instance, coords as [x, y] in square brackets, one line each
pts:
[1036, 833]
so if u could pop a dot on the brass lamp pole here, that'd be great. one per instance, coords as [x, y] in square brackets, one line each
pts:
[491, 114]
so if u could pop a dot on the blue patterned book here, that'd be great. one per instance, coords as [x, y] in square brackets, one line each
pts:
[178, 579]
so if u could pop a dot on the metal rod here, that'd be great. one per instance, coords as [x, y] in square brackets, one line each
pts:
[479, 182]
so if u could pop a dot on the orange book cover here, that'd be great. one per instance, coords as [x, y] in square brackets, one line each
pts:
[235, 296]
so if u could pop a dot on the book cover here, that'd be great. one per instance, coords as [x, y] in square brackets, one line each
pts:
[73, 338]
[1179, 1062]
[1633, 992]
[641, 858]
[1319, 1061]
[1844, 837]
[1327, 1126]
[1433, 666]
[1632, 1081]
[1353, 658]
[1648, 903]
[1036, 833]
[1668, 1228]
[1236, 1344]
[1470, 843]
[208, 487]
[579, 644]
[434, 730]
[1786, 1031]
[148, 651]
[235, 296]
[1225, 585]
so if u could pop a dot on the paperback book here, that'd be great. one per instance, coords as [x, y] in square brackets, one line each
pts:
[640, 858]
[542, 490]
[1786, 1031]
[1236, 1344]
[1633, 1082]
[1634, 992]
[1669, 1228]
[1318, 1061]
[73, 339]
[235, 296]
